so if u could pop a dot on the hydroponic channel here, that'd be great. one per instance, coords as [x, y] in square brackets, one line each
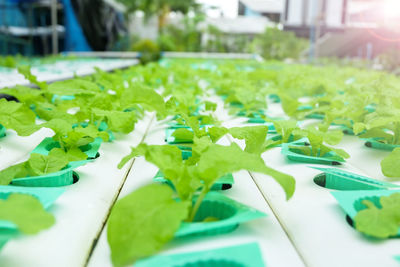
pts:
[237, 161]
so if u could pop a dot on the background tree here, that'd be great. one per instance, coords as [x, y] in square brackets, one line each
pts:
[160, 8]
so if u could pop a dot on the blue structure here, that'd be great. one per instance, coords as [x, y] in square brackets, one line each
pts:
[20, 13]
[75, 40]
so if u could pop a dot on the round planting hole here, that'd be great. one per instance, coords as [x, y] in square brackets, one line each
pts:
[212, 263]
[349, 221]
[226, 186]
[342, 183]
[9, 97]
[75, 177]
[214, 209]
[320, 180]
[368, 144]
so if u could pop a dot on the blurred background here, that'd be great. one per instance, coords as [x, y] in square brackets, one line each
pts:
[357, 32]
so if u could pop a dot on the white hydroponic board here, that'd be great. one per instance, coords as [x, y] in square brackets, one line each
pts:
[313, 218]
[275, 245]
[80, 212]
[62, 70]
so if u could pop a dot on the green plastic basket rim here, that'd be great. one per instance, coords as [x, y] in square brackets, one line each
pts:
[248, 254]
[243, 214]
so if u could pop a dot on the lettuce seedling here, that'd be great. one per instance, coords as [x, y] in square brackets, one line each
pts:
[36, 165]
[380, 220]
[26, 212]
[18, 117]
[142, 222]
[317, 140]
[187, 177]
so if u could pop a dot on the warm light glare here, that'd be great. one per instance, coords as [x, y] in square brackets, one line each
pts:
[392, 8]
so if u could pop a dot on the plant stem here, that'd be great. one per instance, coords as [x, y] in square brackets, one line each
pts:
[196, 206]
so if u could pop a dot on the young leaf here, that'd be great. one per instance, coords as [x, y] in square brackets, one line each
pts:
[142, 222]
[26, 212]
[26, 71]
[183, 134]
[74, 87]
[380, 222]
[18, 117]
[8, 174]
[390, 164]
[42, 164]
[358, 127]
[333, 137]
[254, 137]
[216, 133]
[147, 97]
[118, 121]
[214, 163]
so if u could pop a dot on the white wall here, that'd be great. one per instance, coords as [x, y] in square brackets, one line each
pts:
[333, 16]
[295, 12]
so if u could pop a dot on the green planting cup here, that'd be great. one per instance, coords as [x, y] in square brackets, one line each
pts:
[223, 183]
[248, 255]
[351, 201]
[333, 178]
[2, 131]
[226, 216]
[61, 178]
[376, 143]
[274, 98]
[91, 150]
[7, 234]
[294, 153]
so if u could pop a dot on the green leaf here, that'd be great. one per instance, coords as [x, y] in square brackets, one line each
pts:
[117, 121]
[381, 222]
[60, 127]
[73, 154]
[145, 96]
[26, 212]
[76, 139]
[141, 223]
[18, 117]
[216, 133]
[211, 106]
[358, 127]
[289, 104]
[333, 137]
[340, 152]
[285, 129]
[42, 164]
[254, 137]
[214, 163]
[8, 174]
[390, 164]
[183, 134]
[74, 87]
[377, 133]
[26, 71]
